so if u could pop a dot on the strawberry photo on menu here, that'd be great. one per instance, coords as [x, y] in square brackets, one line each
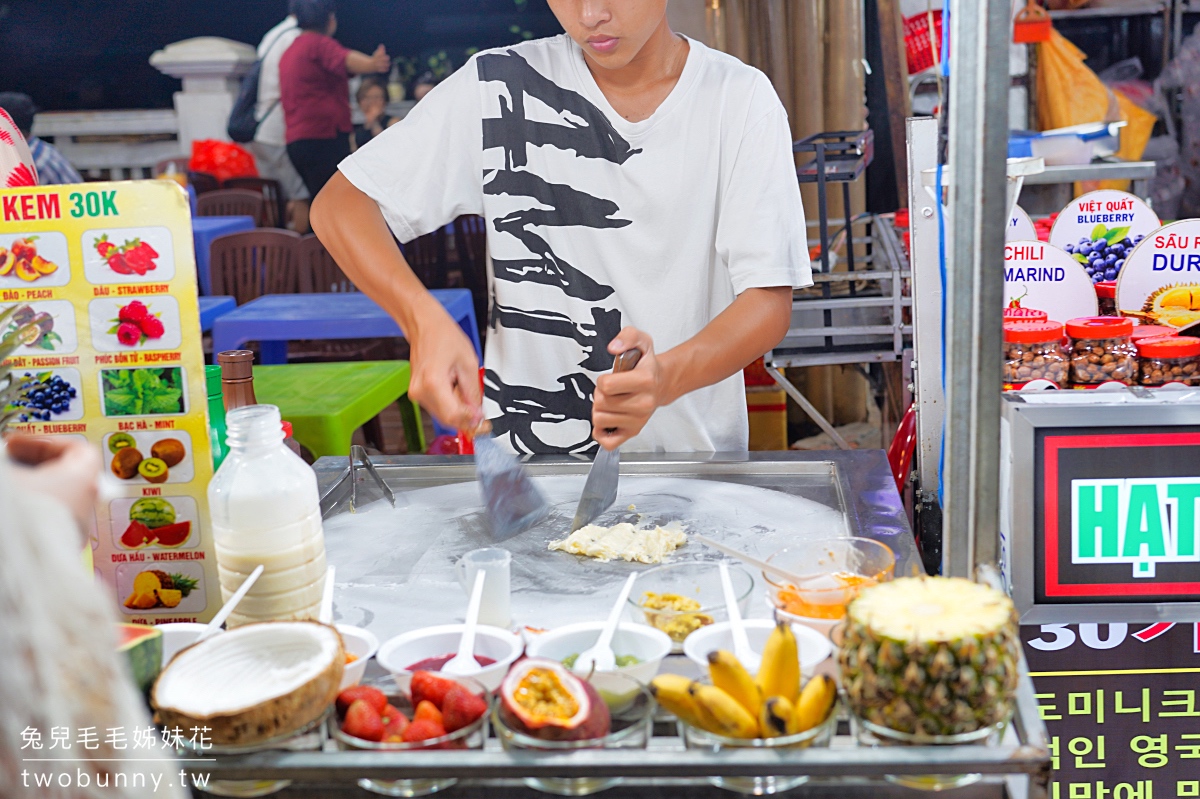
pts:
[128, 255]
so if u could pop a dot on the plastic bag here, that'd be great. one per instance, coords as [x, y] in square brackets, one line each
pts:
[223, 159]
[1068, 92]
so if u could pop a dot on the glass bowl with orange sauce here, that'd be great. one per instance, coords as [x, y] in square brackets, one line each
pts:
[831, 572]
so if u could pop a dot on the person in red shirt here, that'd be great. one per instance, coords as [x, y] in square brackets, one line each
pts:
[314, 94]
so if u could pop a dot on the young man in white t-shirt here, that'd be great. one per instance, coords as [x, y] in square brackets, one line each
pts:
[639, 191]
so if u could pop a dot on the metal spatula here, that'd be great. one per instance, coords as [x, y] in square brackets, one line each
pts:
[513, 502]
[600, 490]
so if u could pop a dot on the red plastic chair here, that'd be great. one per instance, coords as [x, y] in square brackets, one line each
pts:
[903, 448]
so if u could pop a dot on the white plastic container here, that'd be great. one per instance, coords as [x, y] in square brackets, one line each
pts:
[266, 509]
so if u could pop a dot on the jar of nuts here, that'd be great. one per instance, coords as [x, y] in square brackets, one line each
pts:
[1019, 314]
[1101, 350]
[1106, 297]
[1151, 331]
[1033, 351]
[1169, 359]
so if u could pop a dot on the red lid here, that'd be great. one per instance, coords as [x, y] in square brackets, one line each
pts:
[1152, 331]
[1024, 315]
[287, 429]
[1099, 327]
[1033, 332]
[1106, 289]
[1169, 347]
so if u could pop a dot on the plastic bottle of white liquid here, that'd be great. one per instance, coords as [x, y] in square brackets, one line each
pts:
[266, 509]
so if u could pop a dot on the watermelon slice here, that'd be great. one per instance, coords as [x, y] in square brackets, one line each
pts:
[172, 535]
[136, 535]
[143, 648]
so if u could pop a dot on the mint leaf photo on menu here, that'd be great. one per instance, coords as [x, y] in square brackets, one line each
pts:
[138, 392]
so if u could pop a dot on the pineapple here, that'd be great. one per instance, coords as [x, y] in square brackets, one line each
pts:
[931, 655]
[176, 581]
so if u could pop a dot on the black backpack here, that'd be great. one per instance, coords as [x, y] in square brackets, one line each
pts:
[242, 124]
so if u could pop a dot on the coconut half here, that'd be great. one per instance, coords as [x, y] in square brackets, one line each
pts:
[252, 683]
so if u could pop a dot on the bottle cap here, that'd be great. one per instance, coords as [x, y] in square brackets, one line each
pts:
[236, 364]
[212, 380]
[1099, 327]
[1169, 347]
[287, 429]
[1033, 332]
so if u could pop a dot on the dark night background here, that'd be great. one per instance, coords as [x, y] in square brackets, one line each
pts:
[91, 54]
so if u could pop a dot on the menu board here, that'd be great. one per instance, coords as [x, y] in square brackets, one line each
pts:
[1040, 276]
[1121, 703]
[107, 271]
[1160, 284]
[1108, 215]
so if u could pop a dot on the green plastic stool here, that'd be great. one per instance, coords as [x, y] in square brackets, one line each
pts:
[327, 402]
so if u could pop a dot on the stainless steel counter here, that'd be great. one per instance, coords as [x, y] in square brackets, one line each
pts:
[803, 493]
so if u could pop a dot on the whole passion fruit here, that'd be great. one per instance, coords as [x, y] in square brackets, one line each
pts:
[543, 699]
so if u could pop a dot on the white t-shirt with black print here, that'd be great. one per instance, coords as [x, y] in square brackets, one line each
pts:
[595, 223]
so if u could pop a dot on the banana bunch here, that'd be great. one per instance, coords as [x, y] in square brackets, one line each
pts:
[737, 705]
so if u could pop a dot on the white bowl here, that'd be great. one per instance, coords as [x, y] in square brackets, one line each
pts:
[178, 635]
[645, 643]
[397, 654]
[361, 643]
[814, 647]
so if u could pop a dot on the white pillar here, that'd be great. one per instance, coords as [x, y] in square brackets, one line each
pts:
[211, 69]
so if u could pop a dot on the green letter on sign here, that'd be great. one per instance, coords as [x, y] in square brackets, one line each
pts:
[1185, 517]
[1144, 523]
[1104, 515]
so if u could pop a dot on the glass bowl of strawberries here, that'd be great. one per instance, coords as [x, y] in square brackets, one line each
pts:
[440, 713]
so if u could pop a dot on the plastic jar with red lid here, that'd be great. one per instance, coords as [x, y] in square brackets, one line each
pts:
[1101, 350]
[1024, 315]
[1151, 331]
[1106, 296]
[1169, 359]
[1033, 351]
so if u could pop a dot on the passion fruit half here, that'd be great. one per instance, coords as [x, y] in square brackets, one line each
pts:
[543, 699]
[154, 470]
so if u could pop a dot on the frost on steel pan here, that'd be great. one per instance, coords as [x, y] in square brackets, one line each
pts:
[591, 323]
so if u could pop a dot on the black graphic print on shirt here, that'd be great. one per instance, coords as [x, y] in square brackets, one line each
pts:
[587, 133]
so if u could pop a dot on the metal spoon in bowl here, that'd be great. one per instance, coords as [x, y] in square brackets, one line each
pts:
[749, 659]
[601, 657]
[464, 663]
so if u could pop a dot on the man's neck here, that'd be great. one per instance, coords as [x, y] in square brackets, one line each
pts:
[658, 60]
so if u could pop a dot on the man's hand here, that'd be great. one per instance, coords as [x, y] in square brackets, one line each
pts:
[445, 370]
[63, 468]
[624, 402]
[380, 60]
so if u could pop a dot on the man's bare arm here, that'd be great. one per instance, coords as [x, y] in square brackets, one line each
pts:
[445, 369]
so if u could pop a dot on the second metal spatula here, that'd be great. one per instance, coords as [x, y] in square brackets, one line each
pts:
[600, 490]
[514, 503]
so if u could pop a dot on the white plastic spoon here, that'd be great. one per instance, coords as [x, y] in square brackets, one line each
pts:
[326, 614]
[600, 656]
[750, 659]
[228, 607]
[464, 663]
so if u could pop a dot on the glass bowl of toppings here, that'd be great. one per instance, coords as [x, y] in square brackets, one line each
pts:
[680, 598]
[543, 707]
[439, 713]
[639, 648]
[830, 572]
